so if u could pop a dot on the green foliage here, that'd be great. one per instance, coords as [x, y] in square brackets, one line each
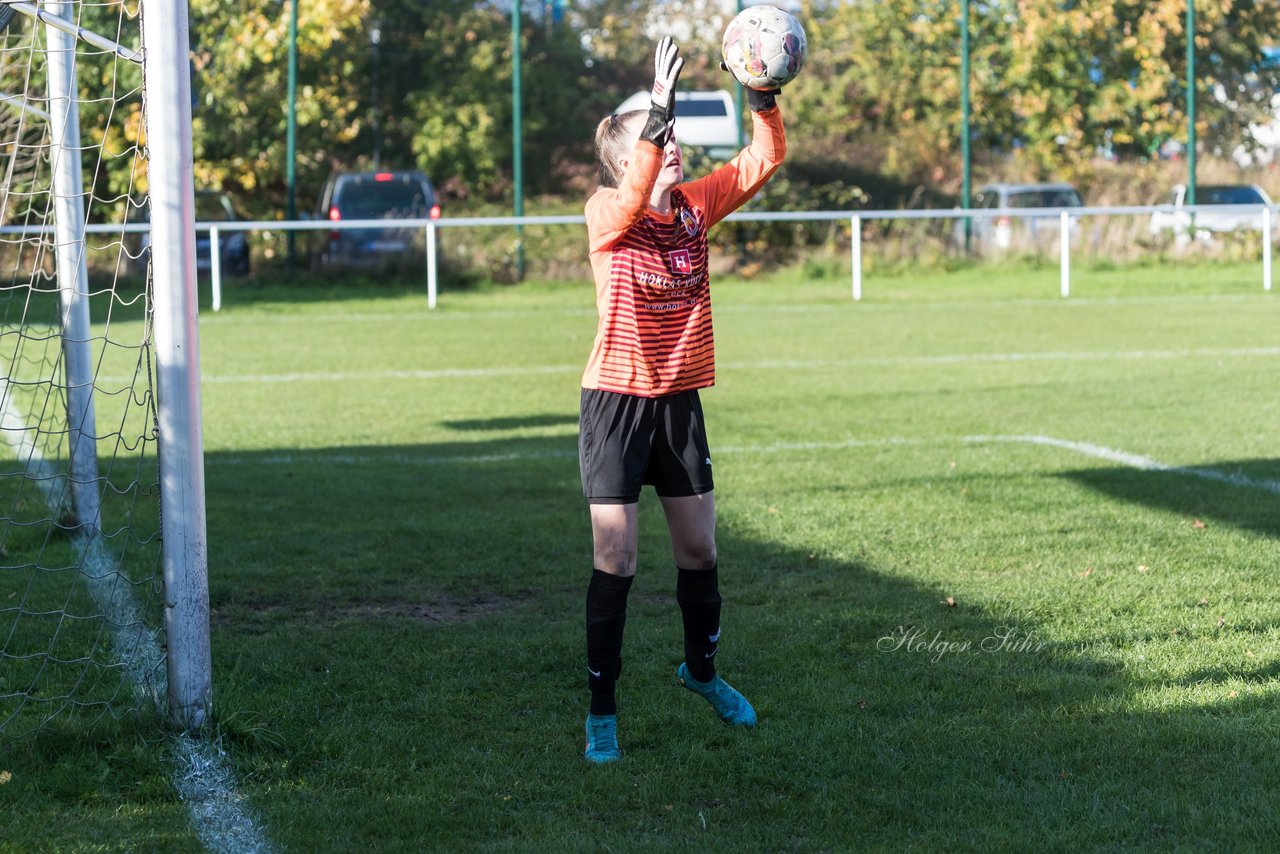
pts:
[874, 118]
[110, 113]
[457, 83]
[1053, 81]
[1101, 71]
[240, 70]
[442, 76]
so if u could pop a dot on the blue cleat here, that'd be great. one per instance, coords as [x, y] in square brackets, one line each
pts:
[602, 739]
[731, 706]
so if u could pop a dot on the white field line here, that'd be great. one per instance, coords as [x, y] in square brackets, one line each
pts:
[357, 376]
[204, 780]
[448, 313]
[1148, 464]
[985, 358]
[208, 785]
[1087, 449]
[780, 364]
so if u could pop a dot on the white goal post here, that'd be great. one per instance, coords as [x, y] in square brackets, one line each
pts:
[167, 82]
[102, 509]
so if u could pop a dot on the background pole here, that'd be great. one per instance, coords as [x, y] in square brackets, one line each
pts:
[291, 143]
[517, 141]
[739, 105]
[965, 154]
[1191, 104]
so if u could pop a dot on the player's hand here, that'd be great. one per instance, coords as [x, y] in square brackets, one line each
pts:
[667, 64]
[757, 99]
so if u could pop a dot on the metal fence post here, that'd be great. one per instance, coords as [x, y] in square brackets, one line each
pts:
[1064, 238]
[215, 267]
[432, 284]
[855, 250]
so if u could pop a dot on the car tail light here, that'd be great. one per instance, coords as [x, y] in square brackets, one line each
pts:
[384, 176]
[434, 213]
[335, 215]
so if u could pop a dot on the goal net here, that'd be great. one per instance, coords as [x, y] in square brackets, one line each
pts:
[81, 558]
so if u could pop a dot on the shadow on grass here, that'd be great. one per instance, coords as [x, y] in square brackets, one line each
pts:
[1241, 493]
[547, 420]
[888, 718]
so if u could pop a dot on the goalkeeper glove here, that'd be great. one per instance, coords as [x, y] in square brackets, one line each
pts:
[667, 64]
[758, 100]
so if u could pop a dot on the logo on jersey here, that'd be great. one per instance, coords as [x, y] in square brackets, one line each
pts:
[689, 221]
[681, 263]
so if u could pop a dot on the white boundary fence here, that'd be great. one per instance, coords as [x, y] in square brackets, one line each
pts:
[856, 220]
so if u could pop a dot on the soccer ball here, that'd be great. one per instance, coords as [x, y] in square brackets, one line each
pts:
[763, 47]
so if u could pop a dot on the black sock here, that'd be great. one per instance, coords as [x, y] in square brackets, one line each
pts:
[698, 592]
[606, 617]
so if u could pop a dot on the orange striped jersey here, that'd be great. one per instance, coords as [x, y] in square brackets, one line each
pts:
[652, 289]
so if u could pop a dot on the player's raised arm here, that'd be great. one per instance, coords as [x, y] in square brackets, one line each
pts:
[732, 185]
[630, 149]
[764, 49]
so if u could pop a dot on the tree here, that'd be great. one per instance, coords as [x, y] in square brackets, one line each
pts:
[239, 71]
[443, 104]
[1052, 79]
[454, 69]
[1092, 71]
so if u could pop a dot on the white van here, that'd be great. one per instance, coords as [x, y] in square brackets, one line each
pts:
[706, 119]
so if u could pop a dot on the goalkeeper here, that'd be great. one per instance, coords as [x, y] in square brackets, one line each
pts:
[641, 419]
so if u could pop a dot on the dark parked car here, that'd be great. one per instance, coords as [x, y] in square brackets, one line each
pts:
[375, 195]
[212, 206]
[233, 246]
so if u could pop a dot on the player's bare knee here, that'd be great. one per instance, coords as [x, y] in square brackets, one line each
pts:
[698, 556]
[615, 556]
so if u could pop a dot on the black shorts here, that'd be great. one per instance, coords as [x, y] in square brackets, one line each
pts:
[625, 442]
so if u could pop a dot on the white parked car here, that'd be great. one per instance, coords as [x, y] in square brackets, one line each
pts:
[706, 119]
[1176, 220]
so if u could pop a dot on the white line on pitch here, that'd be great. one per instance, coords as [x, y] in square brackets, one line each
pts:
[349, 376]
[1146, 463]
[980, 358]
[448, 313]
[205, 781]
[790, 364]
[1087, 449]
[207, 784]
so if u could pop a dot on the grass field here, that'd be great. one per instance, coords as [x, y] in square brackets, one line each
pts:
[998, 569]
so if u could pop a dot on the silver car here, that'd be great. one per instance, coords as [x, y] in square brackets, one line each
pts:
[1010, 230]
[1177, 220]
